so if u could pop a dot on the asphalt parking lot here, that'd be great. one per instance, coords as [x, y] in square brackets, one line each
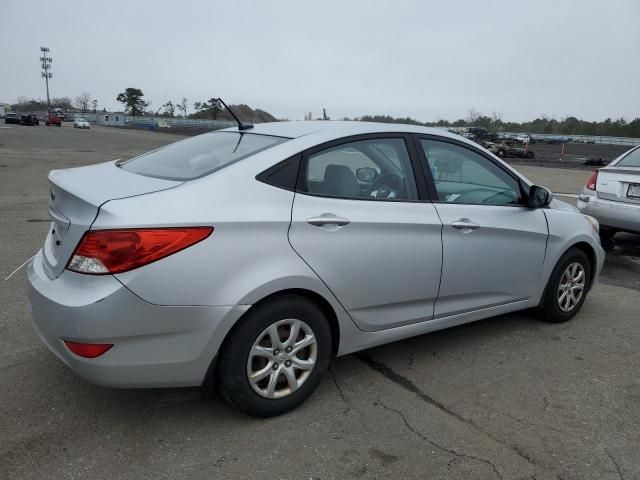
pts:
[507, 398]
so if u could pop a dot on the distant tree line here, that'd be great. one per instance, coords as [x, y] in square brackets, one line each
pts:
[568, 126]
[83, 103]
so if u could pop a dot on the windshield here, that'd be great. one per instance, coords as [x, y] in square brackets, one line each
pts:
[199, 156]
[80, 120]
[631, 160]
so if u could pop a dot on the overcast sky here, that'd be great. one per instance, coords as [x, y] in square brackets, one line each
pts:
[426, 59]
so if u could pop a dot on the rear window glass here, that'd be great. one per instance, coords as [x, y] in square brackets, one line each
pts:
[199, 156]
[631, 160]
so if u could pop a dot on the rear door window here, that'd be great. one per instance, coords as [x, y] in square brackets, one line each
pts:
[199, 156]
[371, 169]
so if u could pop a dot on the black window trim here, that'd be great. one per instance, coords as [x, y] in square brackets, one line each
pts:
[265, 175]
[431, 185]
[421, 185]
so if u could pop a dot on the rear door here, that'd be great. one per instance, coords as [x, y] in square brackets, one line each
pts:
[493, 247]
[363, 224]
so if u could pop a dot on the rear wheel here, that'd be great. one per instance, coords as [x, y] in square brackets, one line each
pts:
[500, 153]
[530, 155]
[273, 359]
[568, 286]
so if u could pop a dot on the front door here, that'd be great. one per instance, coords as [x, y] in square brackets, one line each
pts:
[493, 246]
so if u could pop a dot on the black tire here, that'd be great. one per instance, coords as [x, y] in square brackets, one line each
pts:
[234, 355]
[530, 155]
[500, 153]
[606, 239]
[551, 310]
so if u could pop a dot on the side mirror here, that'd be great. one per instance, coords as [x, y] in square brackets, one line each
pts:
[366, 174]
[539, 197]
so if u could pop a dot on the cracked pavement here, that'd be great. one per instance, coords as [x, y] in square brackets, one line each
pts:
[505, 398]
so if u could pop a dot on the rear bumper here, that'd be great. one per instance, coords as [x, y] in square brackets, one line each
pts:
[154, 346]
[618, 215]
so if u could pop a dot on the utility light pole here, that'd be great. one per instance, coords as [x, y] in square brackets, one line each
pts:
[46, 74]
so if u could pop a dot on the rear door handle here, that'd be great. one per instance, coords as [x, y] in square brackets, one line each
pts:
[328, 219]
[465, 224]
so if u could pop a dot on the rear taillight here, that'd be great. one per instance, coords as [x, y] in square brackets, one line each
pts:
[87, 350]
[102, 252]
[593, 179]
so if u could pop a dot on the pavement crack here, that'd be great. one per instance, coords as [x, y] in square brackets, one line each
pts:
[440, 447]
[340, 392]
[615, 463]
[408, 385]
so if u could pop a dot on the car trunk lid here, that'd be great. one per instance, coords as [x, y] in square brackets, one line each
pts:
[76, 195]
[619, 184]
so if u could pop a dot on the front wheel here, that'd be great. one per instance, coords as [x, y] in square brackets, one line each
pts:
[568, 286]
[274, 357]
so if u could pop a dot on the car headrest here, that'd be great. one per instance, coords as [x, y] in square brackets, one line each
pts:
[339, 180]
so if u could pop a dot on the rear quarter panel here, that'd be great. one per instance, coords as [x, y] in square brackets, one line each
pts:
[248, 256]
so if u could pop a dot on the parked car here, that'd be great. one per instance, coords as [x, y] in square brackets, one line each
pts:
[12, 117]
[246, 258]
[53, 119]
[29, 120]
[508, 149]
[612, 195]
[81, 123]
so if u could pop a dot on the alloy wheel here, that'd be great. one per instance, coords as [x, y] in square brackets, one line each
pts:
[571, 287]
[282, 358]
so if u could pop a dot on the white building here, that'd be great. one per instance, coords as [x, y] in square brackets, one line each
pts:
[110, 119]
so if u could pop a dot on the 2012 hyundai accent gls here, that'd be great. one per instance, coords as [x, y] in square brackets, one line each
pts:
[248, 257]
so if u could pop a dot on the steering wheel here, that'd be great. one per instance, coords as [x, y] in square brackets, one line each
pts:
[387, 185]
[507, 193]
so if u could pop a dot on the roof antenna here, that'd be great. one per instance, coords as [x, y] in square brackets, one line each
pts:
[241, 125]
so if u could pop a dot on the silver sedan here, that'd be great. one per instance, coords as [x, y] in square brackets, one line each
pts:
[81, 123]
[612, 195]
[247, 257]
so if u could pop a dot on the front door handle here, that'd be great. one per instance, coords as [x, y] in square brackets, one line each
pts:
[328, 219]
[465, 225]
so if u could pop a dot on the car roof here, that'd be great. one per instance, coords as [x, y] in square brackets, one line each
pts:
[338, 129]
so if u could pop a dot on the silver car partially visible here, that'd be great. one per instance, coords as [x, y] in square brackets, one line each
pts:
[612, 195]
[248, 257]
[81, 123]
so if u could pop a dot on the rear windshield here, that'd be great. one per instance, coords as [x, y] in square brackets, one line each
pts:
[631, 160]
[199, 156]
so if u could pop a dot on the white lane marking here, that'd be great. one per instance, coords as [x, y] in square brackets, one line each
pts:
[570, 195]
[17, 269]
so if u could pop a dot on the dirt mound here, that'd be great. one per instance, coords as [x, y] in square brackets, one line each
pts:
[246, 114]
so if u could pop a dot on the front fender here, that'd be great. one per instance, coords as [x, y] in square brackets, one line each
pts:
[566, 229]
